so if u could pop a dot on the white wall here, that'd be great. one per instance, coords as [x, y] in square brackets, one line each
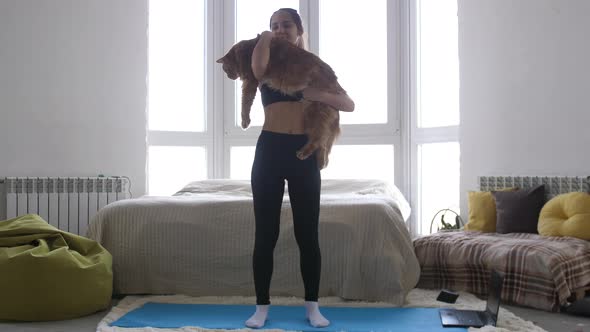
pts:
[525, 88]
[73, 88]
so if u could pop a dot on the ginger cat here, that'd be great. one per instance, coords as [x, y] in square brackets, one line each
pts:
[290, 69]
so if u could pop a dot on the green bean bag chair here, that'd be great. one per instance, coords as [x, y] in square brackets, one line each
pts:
[49, 274]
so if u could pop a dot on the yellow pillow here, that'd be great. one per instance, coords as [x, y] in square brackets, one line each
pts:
[566, 215]
[482, 211]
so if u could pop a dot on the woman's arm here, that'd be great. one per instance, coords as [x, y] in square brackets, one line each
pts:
[261, 54]
[340, 102]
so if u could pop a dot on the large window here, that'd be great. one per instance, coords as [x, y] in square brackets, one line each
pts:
[370, 143]
[172, 166]
[438, 64]
[438, 175]
[396, 59]
[353, 39]
[361, 162]
[176, 65]
[434, 128]
[177, 121]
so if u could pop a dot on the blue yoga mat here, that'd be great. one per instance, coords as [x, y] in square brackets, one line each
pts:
[221, 316]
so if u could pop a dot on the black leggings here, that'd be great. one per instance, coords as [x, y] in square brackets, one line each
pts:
[274, 162]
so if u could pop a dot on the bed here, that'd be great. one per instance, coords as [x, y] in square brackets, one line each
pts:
[543, 272]
[199, 242]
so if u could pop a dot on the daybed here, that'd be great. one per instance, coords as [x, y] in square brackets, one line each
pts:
[199, 242]
[544, 272]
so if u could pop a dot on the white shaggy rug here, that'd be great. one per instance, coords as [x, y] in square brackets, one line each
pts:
[416, 298]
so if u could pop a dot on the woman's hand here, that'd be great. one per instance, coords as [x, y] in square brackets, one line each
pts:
[266, 35]
[313, 94]
[340, 102]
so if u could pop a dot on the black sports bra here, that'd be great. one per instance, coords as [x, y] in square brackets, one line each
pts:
[271, 96]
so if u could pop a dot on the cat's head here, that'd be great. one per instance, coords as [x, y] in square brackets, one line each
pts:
[238, 60]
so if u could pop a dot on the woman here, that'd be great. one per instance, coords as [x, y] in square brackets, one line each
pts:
[275, 161]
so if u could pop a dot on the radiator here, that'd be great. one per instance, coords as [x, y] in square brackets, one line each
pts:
[68, 203]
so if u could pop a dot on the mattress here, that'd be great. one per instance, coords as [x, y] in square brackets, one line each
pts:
[199, 242]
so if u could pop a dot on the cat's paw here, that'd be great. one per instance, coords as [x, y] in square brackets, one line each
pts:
[322, 161]
[245, 123]
[302, 155]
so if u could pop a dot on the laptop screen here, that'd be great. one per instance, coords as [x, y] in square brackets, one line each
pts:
[494, 293]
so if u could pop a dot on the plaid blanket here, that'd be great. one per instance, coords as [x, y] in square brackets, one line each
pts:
[540, 271]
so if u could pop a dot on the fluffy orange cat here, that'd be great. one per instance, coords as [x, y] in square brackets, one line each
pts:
[290, 69]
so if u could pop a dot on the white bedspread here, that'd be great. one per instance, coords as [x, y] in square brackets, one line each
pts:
[199, 242]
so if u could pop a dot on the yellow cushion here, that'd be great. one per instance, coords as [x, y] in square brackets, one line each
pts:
[566, 215]
[482, 211]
